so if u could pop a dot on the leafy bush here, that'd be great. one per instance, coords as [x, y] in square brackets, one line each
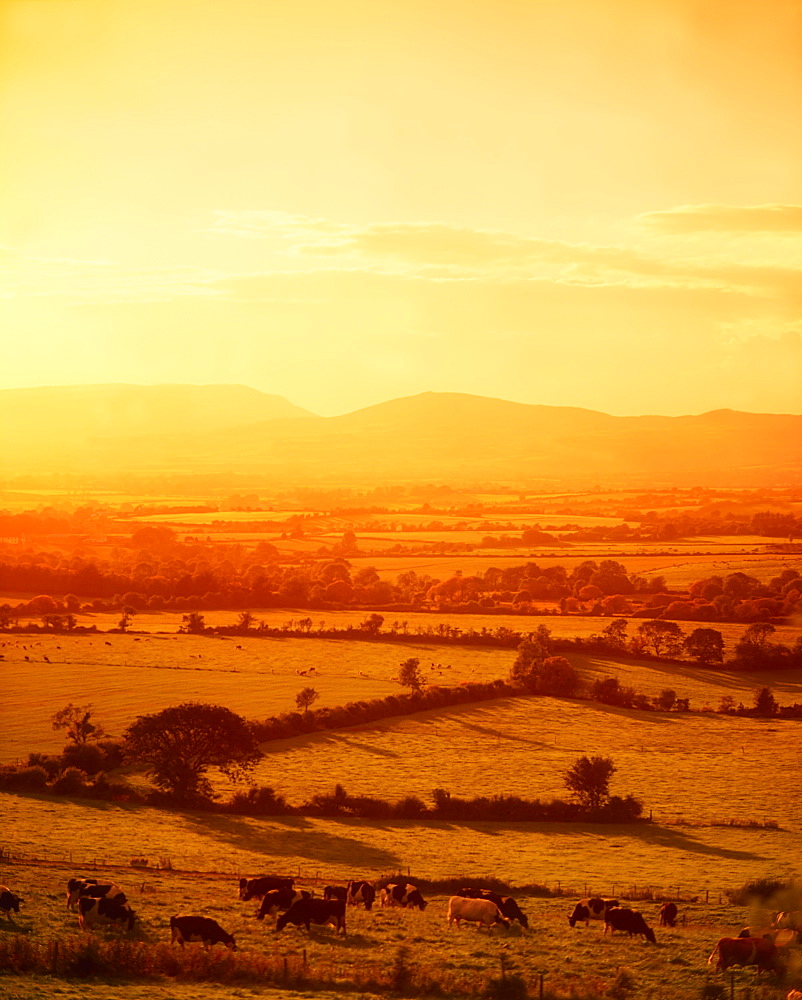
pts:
[23, 779]
[50, 762]
[257, 801]
[69, 782]
[86, 757]
[765, 889]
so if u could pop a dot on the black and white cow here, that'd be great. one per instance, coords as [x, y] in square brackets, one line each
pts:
[185, 930]
[314, 911]
[509, 908]
[74, 887]
[80, 888]
[255, 888]
[363, 892]
[405, 895]
[9, 902]
[336, 892]
[592, 908]
[102, 910]
[279, 900]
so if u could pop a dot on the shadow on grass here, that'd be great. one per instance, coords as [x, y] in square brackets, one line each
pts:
[351, 942]
[290, 836]
[15, 928]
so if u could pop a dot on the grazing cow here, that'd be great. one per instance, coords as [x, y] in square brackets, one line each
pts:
[477, 911]
[9, 902]
[255, 888]
[361, 892]
[508, 906]
[336, 892]
[405, 895]
[757, 951]
[668, 914]
[187, 929]
[73, 889]
[620, 918]
[104, 910]
[77, 889]
[592, 908]
[470, 893]
[280, 899]
[314, 911]
[792, 919]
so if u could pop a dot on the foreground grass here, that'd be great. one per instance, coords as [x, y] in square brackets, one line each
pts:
[386, 951]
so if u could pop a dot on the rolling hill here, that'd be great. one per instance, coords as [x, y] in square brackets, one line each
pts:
[202, 430]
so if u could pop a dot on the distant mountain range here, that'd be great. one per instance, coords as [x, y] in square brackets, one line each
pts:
[112, 430]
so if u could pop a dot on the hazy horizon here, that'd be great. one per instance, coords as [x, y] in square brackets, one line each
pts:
[406, 396]
[594, 203]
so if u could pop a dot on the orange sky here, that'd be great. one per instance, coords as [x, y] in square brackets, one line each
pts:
[571, 202]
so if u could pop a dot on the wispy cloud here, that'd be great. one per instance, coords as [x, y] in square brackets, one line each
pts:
[442, 252]
[726, 219]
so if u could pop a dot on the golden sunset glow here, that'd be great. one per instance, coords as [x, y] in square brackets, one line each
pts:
[586, 203]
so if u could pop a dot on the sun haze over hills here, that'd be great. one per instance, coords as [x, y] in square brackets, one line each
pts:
[591, 203]
[110, 431]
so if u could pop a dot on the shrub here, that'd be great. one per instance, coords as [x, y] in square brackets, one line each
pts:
[257, 801]
[24, 779]
[50, 762]
[69, 782]
[86, 757]
[764, 889]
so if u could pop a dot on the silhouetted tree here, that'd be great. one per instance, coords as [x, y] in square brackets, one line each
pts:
[193, 623]
[409, 674]
[588, 779]
[76, 719]
[305, 698]
[706, 645]
[532, 652]
[663, 637]
[178, 745]
[765, 702]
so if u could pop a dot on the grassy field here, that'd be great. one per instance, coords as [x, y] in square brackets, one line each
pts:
[580, 962]
[128, 675]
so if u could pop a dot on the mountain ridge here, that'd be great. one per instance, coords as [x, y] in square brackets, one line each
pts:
[443, 436]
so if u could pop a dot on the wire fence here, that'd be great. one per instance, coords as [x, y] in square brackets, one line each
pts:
[318, 877]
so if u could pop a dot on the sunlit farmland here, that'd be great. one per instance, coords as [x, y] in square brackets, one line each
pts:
[128, 675]
[679, 765]
[602, 857]
[461, 960]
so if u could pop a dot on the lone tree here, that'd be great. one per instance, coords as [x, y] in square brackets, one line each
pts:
[705, 645]
[306, 697]
[765, 702]
[178, 745]
[664, 637]
[533, 651]
[76, 720]
[588, 779]
[409, 674]
[193, 623]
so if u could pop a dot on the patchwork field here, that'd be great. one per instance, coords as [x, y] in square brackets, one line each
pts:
[126, 675]
[580, 961]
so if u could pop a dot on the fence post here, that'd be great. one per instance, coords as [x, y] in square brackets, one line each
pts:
[541, 986]
[55, 957]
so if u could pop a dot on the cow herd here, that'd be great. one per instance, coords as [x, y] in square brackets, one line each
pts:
[98, 903]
